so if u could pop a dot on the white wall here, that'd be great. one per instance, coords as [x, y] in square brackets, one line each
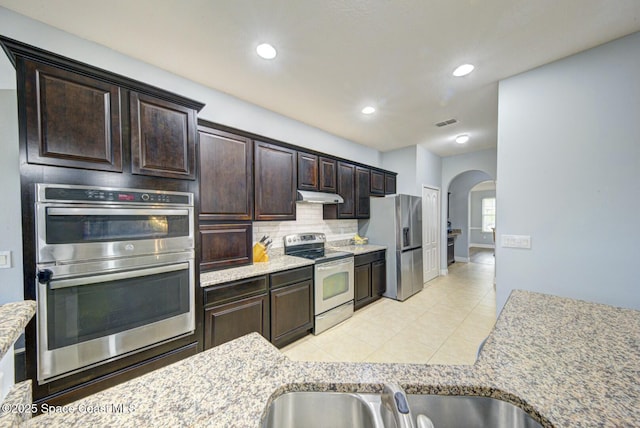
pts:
[415, 166]
[428, 169]
[569, 176]
[11, 288]
[402, 161]
[220, 107]
[453, 166]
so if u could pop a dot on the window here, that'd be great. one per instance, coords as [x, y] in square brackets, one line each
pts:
[488, 214]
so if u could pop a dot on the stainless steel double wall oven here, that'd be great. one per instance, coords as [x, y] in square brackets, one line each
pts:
[115, 274]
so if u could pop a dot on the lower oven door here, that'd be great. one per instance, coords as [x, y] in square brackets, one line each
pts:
[92, 313]
[333, 284]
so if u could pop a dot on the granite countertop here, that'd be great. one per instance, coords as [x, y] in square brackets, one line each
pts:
[13, 319]
[566, 362]
[276, 263]
[358, 249]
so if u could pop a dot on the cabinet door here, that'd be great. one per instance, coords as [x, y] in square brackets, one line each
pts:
[363, 183]
[389, 184]
[163, 138]
[327, 175]
[362, 282]
[226, 176]
[71, 120]
[347, 189]
[275, 182]
[232, 320]
[307, 171]
[225, 245]
[377, 183]
[378, 278]
[291, 312]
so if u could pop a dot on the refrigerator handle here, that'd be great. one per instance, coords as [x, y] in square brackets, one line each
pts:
[405, 237]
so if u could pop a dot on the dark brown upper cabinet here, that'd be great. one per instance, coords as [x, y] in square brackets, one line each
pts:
[71, 120]
[389, 184]
[226, 175]
[163, 137]
[377, 183]
[275, 175]
[347, 189]
[307, 171]
[363, 191]
[327, 171]
[225, 245]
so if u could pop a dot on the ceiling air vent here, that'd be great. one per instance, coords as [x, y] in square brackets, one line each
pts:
[446, 122]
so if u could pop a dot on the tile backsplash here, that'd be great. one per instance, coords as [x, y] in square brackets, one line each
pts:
[308, 219]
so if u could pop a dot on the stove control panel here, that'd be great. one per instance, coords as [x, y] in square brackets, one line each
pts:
[304, 238]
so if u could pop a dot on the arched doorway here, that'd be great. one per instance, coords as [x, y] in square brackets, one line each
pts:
[458, 210]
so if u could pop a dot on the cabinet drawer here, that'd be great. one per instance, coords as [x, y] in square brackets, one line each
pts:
[280, 279]
[369, 258]
[235, 290]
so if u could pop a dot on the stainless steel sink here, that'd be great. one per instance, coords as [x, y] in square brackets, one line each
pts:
[324, 409]
[469, 412]
[389, 410]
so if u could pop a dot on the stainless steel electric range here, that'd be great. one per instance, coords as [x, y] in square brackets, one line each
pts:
[333, 278]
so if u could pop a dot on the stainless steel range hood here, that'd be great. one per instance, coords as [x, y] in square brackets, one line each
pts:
[319, 197]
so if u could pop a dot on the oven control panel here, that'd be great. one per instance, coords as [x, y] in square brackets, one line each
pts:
[68, 193]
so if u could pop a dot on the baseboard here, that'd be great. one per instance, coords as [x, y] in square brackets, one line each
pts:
[462, 259]
[444, 272]
[482, 246]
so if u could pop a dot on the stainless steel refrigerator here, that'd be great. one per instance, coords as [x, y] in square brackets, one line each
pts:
[396, 222]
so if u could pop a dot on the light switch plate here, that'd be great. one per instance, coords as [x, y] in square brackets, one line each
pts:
[5, 259]
[515, 241]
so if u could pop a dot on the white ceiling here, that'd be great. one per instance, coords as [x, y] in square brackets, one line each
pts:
[336, 56]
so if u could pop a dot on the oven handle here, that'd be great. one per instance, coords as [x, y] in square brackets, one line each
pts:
[75, 282]
[334, 264]
[115, 211]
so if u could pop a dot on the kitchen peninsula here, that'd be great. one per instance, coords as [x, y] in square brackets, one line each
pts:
[566, 362]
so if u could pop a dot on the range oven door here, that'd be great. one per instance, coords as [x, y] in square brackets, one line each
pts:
[333, 284]
[72, 232]
[86, 319]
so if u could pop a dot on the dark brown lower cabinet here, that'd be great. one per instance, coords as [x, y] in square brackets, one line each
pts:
[234, 309]
[291, 305]
[362, 283]
[379, 276]
[370, 277]
[278, 306]
[227, 322]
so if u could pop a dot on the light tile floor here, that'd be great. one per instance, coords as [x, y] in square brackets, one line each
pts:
[443, 324]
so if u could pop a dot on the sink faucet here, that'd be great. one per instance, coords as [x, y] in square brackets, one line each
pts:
[395, 407]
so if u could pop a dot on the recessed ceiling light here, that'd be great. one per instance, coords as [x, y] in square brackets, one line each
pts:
[266, 51]
[368, 110]
[461, 139]
[463, 70]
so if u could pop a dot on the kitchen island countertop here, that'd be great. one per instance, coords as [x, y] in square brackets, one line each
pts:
[566, 362]
[13, 319]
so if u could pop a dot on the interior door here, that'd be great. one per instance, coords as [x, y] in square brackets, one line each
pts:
[431, 232]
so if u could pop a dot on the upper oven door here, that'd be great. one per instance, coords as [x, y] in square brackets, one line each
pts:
[72, 232]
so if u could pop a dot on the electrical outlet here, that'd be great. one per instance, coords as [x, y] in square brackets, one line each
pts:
[515, 241]
[5, 259]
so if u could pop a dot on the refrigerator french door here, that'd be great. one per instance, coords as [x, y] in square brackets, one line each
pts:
[396, 222]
